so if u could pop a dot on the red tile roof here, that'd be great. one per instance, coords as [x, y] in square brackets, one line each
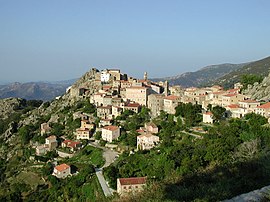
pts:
[233, 106]
[265, 106]
[133, 105]
[132, 180]
[111, 128]
[62, 167]
[148, 135]
[171, 97]
[208, 113]
[249, 101]
[232, 90]
[230, 95]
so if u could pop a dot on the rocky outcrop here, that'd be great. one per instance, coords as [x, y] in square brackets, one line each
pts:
[259, 91]
[8, 106]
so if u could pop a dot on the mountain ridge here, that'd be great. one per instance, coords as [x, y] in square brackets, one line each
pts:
[201, 76]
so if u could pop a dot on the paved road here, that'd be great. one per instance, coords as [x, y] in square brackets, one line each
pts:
[109, 156]
[106, 190]
[191, 134]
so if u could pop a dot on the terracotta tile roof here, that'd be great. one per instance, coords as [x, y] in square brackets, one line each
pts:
[111, 128]
[51, 137]
[148, 135]
[132, 180]
[67, 141]
[232, 90]
[62, 167]
[104, 107]
[133, 105]
[208, 113]
[233, 106]
[140, 131]
[171, 97]
[249, 101]
[265, 106]
[73, 144]
[230, 95]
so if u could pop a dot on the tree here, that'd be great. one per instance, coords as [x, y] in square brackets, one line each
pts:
[250, 79]
[218, 112]
[98, 135]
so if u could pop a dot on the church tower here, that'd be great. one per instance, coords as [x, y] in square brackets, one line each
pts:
[145, 76]
[166, 88]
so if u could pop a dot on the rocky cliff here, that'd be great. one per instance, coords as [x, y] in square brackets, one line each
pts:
[259, 91]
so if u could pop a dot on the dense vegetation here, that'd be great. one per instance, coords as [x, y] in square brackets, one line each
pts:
[232, 158]
[250, 79]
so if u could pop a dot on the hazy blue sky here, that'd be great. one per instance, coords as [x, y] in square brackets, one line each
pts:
[62, 39]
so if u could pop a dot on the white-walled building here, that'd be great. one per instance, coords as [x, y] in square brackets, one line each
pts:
[110, 133]
[147, 141]
[62, 171]
[208, 117]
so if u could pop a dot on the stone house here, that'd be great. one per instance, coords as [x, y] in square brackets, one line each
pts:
[170, 102]
[138, 94]
[151, 127]
[45, 128]
[71, 144]
[110, 133]
[147, 141]
[105, 122]
[82, 133]
[133, 184]
[62, 171]
[155, 104]
[51, 143]
[104, 112]
[116, 111]
[135, 107]
[229, 99]
[40, 150]
[85, 124]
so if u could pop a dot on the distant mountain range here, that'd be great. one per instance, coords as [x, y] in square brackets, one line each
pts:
[223, 74]
[260, 67]
[35, 90]
[202, 76]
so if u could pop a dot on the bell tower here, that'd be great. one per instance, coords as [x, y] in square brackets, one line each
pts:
[145, 76]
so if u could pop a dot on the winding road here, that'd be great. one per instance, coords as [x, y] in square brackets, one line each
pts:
[109, 156]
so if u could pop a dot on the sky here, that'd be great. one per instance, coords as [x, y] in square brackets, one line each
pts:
[62, 39]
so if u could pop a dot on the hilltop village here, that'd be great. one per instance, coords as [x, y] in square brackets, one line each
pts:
[112, 137]
[114, 94]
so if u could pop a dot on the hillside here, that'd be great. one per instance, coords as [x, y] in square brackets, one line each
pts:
[202, 76]
[260, 67]
[34, 90]
[259, 91]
